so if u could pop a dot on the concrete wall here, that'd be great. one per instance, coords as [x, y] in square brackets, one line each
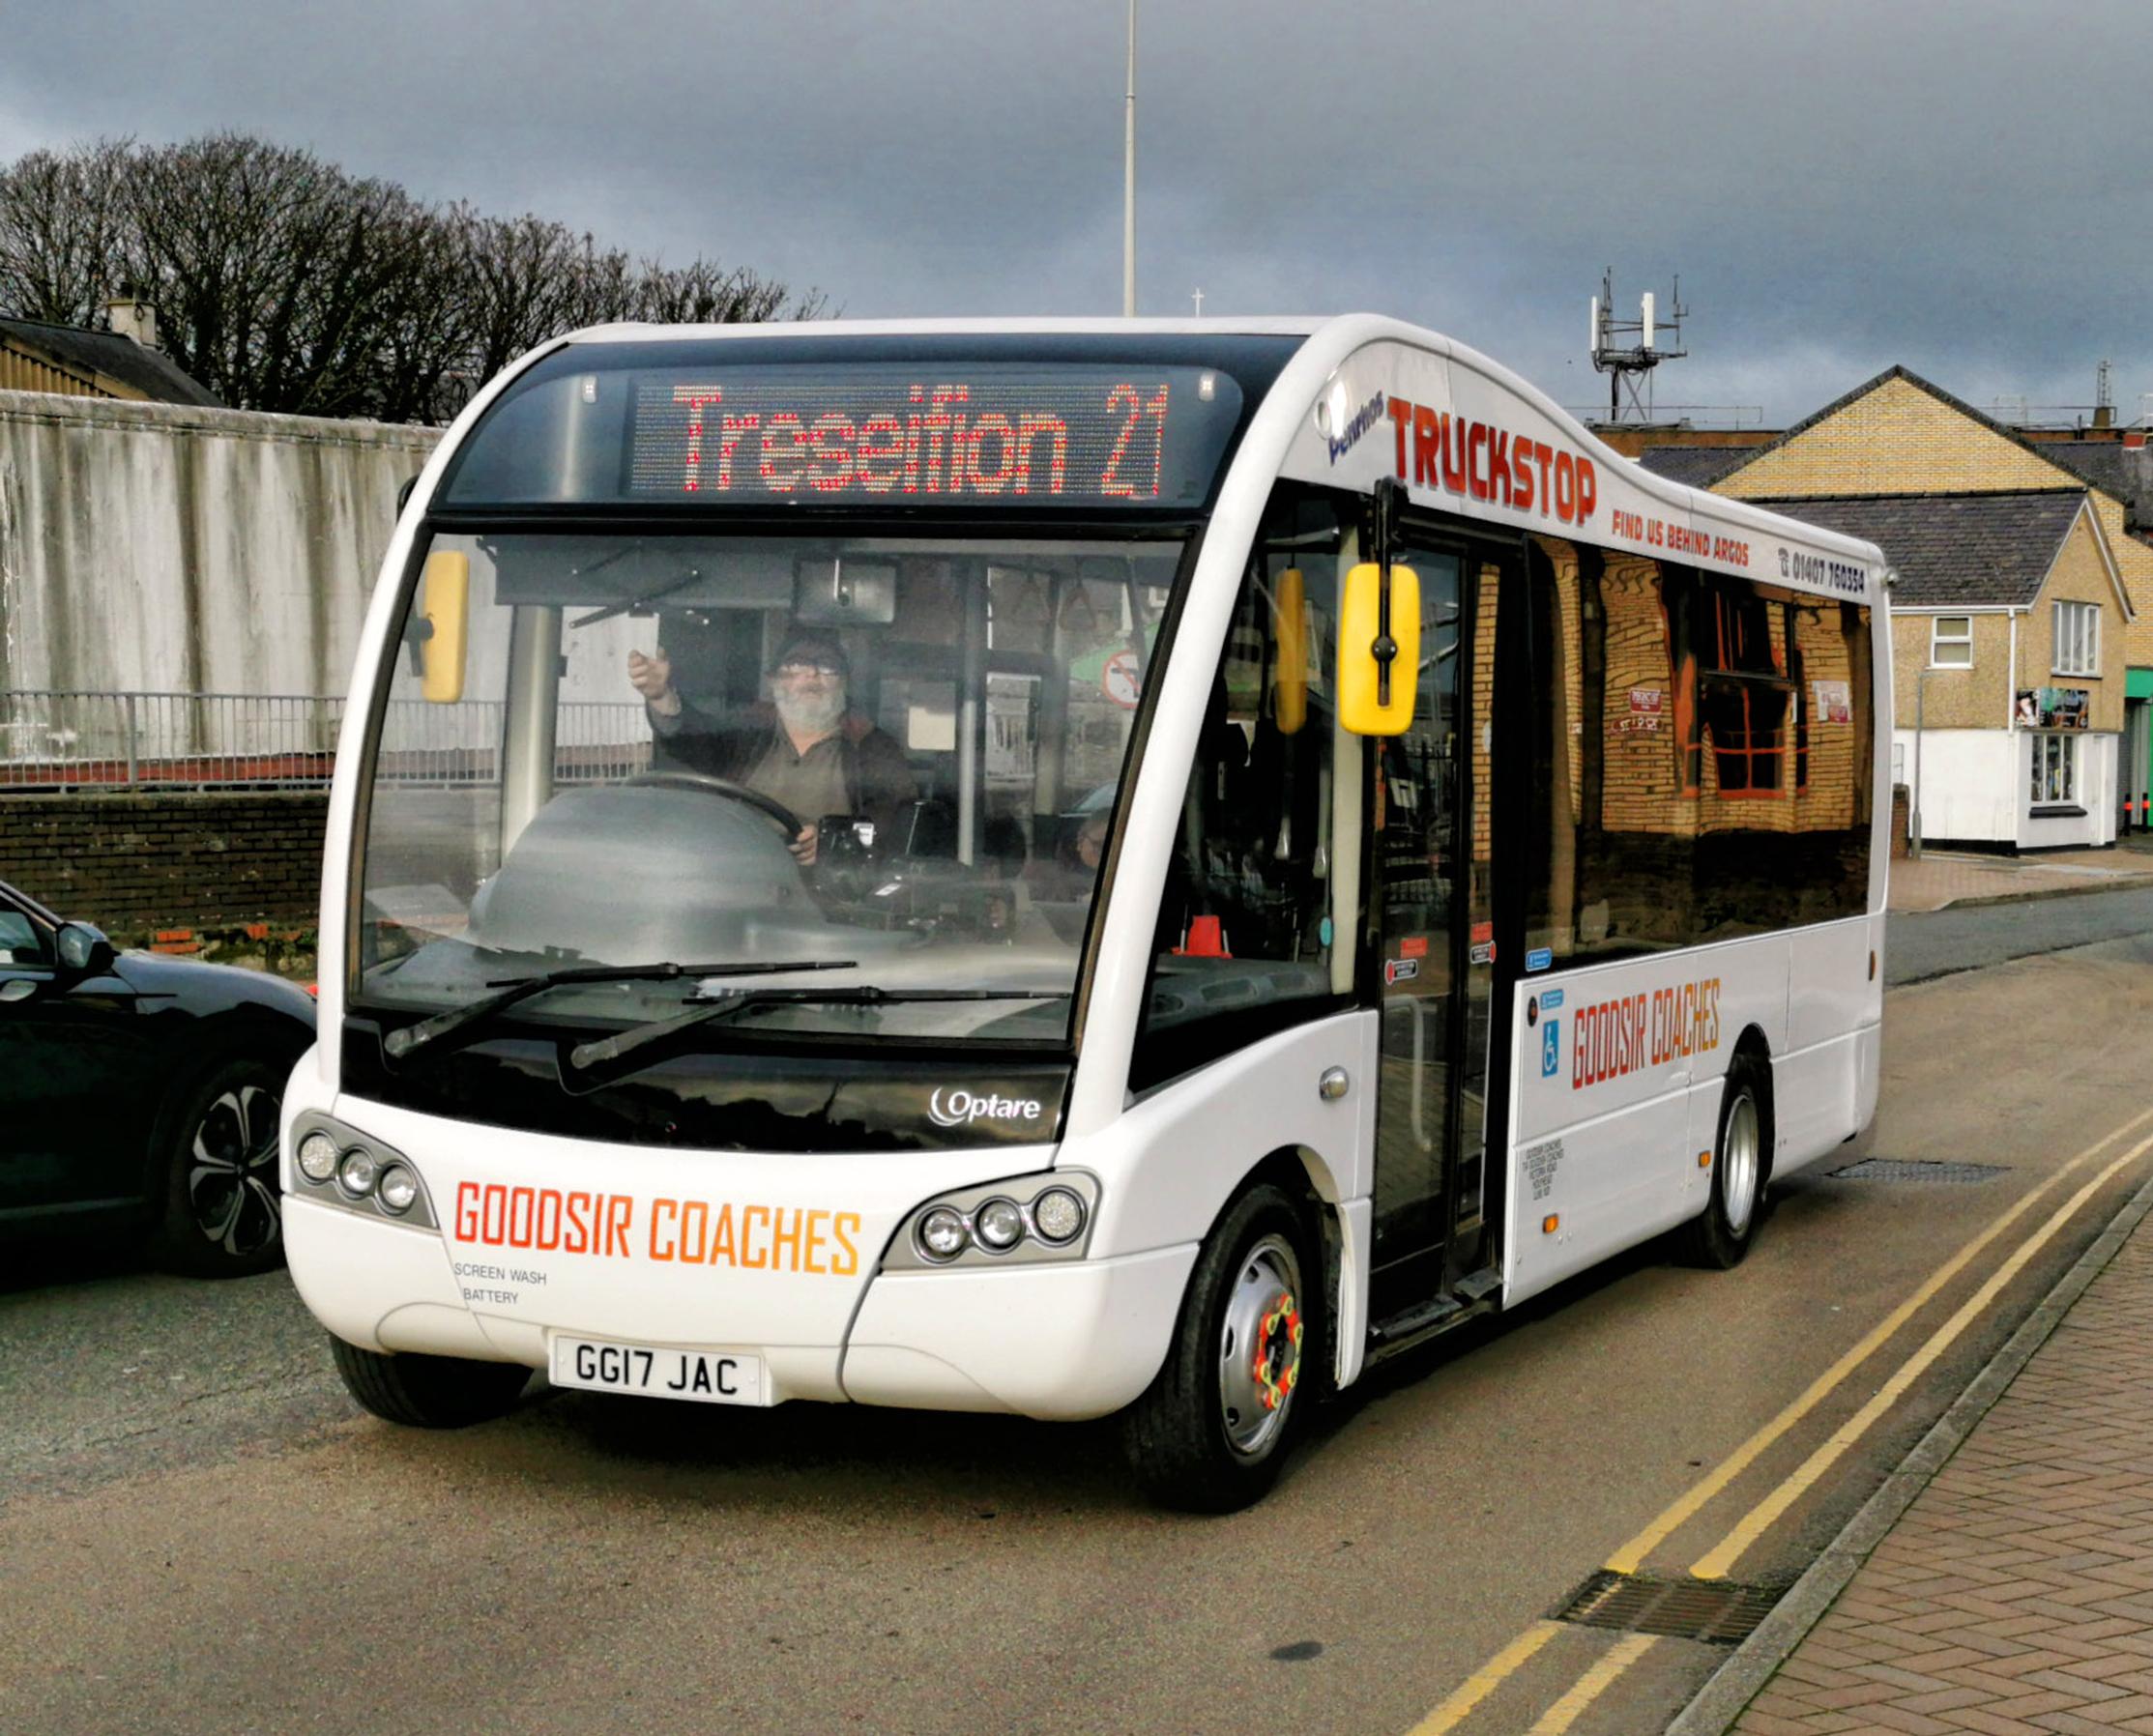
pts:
[164, 547]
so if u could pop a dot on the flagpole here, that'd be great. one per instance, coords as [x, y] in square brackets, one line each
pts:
[1128, 181]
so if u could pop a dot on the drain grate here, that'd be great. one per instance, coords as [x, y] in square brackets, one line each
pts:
[1894, 1168]
[1714, 1611]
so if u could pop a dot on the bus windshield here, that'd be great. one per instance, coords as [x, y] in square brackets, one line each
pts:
[860, 785]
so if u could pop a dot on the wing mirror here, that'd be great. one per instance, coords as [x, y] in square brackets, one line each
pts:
[1378, 630]
[1378, 650]
[441, 645]
[83, 950]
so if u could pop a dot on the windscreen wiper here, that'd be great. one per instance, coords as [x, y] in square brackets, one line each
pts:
[401, 1042]
[733, 1002]
[628, 605]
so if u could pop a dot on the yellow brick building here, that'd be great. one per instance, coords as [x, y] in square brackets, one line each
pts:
[2023, 606]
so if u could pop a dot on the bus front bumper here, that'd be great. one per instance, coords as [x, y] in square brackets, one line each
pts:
[1053, 1340]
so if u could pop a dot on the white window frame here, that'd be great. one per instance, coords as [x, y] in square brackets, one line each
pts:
[2054, 782]
[1939, 641]
[2076, 639]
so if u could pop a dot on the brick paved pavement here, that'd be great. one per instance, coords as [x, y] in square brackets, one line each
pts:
[2014, 1596]
[1942, 878]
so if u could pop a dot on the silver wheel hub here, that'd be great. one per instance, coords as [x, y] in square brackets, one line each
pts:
[1741, 1164]
[1260, 1346]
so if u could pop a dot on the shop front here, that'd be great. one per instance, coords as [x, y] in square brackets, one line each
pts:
[2070, 770]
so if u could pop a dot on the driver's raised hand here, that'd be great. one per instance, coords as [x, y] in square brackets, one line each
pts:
[802, 846]
[653, 678]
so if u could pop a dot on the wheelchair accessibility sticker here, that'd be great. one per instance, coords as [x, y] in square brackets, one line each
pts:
[1551, 1047]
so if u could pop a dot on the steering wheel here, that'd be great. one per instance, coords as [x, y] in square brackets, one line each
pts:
[776, 812]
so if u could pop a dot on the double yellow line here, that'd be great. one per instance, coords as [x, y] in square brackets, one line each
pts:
[1715, 1563]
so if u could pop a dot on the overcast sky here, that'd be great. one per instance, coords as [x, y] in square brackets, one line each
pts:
[1960, 186]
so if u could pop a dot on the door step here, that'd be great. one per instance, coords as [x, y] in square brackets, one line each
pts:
[1470, 1300]
[1478, 1284]
[1416, 1320]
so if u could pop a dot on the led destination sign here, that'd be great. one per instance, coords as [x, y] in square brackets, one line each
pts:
[990, 436]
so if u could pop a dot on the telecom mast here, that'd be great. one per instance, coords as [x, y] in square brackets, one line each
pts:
[1629, 365]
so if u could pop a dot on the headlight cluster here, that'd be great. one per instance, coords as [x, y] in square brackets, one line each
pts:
[347, 1168]
[1042, 1217]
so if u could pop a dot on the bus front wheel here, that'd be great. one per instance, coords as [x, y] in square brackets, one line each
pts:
[1211, 1433]
[430, 1392]
[1723, 1234]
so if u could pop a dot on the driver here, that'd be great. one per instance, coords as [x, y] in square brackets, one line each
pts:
[806, 748]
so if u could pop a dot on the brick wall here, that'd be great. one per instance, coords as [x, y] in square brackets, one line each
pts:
[2080, 575]
[137, 863]
[1896, 440]
[1974, 698]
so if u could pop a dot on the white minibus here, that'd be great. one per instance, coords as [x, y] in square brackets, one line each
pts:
[1065, 868]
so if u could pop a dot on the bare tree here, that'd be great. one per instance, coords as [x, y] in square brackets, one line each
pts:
[527, 279]
[64, 231]
[283, 283]
[700, 293]
[532, 280]
[275, 269]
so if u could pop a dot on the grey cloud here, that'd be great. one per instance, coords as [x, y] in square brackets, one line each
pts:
[1951, 184]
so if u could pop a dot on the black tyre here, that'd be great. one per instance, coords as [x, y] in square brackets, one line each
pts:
[1740, 1158]
[430, 1392]
[1211, 1431]
[221, 1214]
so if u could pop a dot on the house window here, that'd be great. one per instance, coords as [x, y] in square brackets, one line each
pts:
[2055, 770]
[2078, 639]
[1951, 642]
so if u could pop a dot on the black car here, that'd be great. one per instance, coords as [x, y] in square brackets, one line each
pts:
[140, 1093]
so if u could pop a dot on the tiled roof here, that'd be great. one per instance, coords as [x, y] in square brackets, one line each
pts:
[1972, 549]
[2112, 467]
[1698, 466]
[150, 373]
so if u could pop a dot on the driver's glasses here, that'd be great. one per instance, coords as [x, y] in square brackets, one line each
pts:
[806, 671]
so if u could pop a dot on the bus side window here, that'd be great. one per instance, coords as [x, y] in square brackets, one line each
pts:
[1244, 944]
[1701, 753]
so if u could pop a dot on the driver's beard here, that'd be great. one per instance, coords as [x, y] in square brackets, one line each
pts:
[806, 717]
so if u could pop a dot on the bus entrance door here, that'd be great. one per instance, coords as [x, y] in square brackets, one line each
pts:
[1434, 931]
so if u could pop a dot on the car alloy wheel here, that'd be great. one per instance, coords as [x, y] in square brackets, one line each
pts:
[231, 1177]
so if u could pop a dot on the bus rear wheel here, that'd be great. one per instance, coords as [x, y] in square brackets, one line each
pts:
[430, 1392]
[1211, 1431]
[1723, 1234]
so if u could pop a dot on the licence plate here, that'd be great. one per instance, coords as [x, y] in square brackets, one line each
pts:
[707, 1376]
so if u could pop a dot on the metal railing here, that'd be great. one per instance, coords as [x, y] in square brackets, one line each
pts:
[79, 739]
